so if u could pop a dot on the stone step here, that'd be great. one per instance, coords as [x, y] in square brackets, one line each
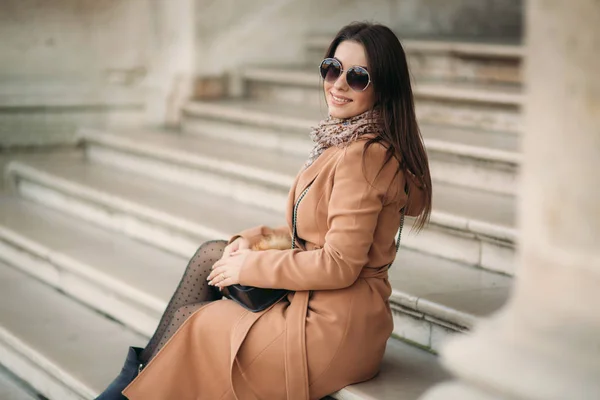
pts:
[13, 388]
[37, 94]
[432, 298]
[58, 346]
[467, 157]
[36, 114]
[73, 352]
[467, 105]
[97, 267]
[449, 59]
[167, 215]
[246, 174]
[477, 231]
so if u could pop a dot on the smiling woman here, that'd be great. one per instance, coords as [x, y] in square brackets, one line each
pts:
[367, 169]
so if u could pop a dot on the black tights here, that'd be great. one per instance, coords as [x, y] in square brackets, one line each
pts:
[192, 293]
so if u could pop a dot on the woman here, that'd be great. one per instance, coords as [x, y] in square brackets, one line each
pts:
[368, 164]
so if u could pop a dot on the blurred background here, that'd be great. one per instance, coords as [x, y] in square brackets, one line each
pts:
[131, 131]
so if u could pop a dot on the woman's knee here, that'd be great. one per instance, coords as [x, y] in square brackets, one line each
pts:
[216, 246]
[205, 257]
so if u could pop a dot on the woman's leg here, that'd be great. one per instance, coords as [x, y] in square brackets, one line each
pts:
[192, 293]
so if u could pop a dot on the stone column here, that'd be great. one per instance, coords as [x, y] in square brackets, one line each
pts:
[172, 76]
[545, 344]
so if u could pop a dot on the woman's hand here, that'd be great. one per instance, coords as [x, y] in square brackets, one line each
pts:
[238, 244]
[226, 271]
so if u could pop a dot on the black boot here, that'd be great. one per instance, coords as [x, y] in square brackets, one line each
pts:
[130, 370]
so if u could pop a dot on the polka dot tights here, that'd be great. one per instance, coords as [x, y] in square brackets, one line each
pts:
[192, 293]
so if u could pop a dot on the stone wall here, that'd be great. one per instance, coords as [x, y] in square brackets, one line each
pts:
[498, 19]
[67, 63]
[492, 19]
[234, 32]
[73, 40]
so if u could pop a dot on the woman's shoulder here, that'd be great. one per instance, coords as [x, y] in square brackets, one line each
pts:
[384, 172]
[375, 153]
[370, 165]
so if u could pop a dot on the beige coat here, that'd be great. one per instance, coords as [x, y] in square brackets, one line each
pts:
[332, 332]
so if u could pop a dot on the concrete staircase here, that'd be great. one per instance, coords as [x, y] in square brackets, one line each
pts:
[47, 111]
[93, 241]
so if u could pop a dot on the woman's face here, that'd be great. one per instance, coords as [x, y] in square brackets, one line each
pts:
[342, 101]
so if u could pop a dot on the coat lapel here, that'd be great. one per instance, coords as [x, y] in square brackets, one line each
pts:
[303, 179]
[307, 176]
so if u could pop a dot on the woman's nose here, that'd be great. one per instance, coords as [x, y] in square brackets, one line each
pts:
[340, 82]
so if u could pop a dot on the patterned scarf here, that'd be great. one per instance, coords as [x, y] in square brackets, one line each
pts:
[341, 132]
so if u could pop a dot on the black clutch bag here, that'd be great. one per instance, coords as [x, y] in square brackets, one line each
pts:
[258, 299]
[252, 298]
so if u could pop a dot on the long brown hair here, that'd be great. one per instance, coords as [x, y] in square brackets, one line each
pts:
[394, 97]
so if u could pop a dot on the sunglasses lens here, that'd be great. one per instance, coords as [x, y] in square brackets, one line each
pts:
[358, 78]
[330, 69]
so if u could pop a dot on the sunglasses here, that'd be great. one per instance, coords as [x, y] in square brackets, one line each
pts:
[357, 77]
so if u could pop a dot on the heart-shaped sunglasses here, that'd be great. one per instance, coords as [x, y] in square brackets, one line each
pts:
[357, 77]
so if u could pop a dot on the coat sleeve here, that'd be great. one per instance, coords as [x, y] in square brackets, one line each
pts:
[356, 201]
[256, 233]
